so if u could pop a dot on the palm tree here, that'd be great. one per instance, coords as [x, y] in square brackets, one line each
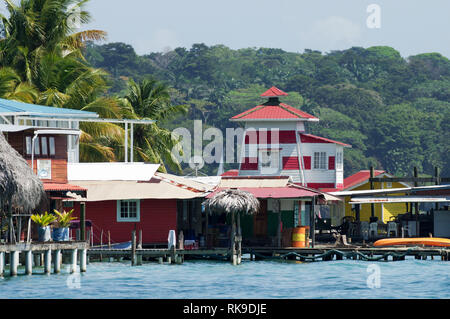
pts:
[12, 88]
[36, 27]
[151, 99]
[43, 63]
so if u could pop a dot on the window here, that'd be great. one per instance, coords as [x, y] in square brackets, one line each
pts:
[269, 161]
[43, 146]
[320, 160]
[51, 141]
[339, 160]
[28, 145]
[128, 210]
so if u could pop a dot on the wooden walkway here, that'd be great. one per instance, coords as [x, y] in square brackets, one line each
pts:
[320, 253]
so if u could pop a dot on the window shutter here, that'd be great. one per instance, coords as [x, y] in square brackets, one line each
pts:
[331, 163]
[307, 162]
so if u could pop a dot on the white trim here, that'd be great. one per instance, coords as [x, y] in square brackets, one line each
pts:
[129, 220]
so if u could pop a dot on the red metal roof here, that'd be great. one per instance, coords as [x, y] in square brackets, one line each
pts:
[274, 92]
[308, 138]
[358, 178]
[273, 192]
[273, 112]
[56, 187]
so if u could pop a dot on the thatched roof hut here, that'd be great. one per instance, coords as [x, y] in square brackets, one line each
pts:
[233, 201]
[18, 184]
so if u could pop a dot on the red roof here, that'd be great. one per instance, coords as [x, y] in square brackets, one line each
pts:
[59, 187]
[273, 192]
[274, 112]
[308, 138]
[274, 92]
[359, 178]
[232, 172]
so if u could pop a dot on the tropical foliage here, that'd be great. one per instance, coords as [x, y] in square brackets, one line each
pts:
[43, 220]
[41, 61]
[64, 218]
[393, 110]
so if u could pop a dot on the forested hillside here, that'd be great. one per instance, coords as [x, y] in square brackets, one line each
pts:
[394, 111]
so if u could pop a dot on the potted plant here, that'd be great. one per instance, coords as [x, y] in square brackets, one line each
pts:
[44, 221]
[61, 233]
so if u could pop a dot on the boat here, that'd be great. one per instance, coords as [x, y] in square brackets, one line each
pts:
[125, 245]
[425, 241]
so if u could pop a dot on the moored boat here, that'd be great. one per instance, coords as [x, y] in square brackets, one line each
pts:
[425, 241]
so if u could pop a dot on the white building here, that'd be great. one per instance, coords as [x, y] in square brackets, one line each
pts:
[276, 144]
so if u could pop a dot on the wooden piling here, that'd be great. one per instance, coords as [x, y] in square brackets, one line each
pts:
[239, 239]
[133, 248]
[372, 205]
[83, 260]
[2, 263]
[233, 240]
[82, 221]
[28, 262]
[13, 263]
[73, 260]
[48, 261]
[57, 262]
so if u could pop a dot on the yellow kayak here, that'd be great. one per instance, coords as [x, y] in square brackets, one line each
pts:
[426, 241]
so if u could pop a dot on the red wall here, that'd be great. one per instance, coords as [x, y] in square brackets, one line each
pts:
[157, 217]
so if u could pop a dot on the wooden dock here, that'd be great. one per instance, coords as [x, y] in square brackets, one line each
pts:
[42, 254]
[320, 253]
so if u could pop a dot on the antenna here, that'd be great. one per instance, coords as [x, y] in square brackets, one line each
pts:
[196, 163]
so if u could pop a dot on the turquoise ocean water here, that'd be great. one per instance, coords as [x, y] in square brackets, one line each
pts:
[347, 279]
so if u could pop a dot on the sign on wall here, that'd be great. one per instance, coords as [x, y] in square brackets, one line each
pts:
[44, 169]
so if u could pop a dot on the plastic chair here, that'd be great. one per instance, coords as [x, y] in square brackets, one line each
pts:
[365, 230]
[392, 228]
[373, 230]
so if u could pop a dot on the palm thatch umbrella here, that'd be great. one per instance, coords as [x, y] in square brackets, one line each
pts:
[234, 201]
[19, 186]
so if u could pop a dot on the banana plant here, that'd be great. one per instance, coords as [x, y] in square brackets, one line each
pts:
[43, 220]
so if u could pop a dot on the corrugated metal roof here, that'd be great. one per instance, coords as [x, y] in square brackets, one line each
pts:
[59, 187]
[252, 182]
[272, 192]
[189, 183]
[306, 137]
[12, 107]
[274, 112]
[359, 178]
[274, 92]
[400, 199]
[127, 190]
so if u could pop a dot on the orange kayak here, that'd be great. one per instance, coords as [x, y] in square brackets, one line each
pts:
[426, 241]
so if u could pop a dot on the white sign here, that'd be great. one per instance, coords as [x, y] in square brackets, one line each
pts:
[44, 169]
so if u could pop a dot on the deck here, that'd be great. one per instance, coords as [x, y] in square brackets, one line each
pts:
[321, 252]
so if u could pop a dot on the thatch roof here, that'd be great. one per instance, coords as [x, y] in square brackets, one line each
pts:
[233, 201]
[17, 181]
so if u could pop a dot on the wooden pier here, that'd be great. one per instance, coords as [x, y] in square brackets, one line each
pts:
[42, 254]
[320, 253]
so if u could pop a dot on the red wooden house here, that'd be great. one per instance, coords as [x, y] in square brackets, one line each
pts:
[143, 200]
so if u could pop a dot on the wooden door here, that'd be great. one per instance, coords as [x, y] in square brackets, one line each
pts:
[260, 220]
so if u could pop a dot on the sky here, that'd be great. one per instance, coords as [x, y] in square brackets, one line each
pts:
[410, 26]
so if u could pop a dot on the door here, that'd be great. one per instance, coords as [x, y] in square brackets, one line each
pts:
[260, 220]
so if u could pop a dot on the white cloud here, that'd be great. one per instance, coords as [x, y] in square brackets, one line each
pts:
[332, 33]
